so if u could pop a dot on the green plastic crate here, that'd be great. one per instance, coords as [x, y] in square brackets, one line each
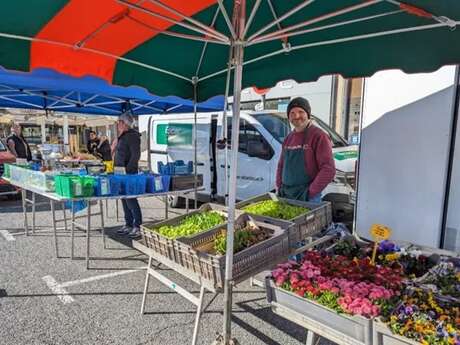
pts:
[7, 170]
[71, 186]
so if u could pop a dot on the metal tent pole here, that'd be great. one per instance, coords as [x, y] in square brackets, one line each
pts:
[239, 17]
[224, 123]
[195, 132]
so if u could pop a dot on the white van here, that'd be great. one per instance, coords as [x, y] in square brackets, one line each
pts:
[170, 138]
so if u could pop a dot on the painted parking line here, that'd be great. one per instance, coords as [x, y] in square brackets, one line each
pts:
[7, 236]
[99, 277]
[58, 290]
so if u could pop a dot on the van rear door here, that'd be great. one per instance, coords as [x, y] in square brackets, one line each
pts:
[255, 156]
[172, 139]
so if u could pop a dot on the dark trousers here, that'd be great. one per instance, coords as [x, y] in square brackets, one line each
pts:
[133, 214]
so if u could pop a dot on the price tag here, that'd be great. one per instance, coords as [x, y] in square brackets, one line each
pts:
[379, 232]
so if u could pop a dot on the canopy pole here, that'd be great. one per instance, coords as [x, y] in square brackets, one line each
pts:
[65, 129]
[239, 17]
[224, 123]
[195, 132]
[43, 128]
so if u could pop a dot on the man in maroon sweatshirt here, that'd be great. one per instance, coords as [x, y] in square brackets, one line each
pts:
[306, 165]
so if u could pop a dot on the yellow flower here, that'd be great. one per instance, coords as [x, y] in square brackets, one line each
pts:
[392, 257]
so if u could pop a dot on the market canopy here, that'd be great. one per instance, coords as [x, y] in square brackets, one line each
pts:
[50, 90]
[166, 45]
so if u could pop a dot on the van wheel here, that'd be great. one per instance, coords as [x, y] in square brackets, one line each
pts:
[176, 201]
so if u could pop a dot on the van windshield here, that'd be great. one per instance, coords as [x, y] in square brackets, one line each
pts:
[279, 127]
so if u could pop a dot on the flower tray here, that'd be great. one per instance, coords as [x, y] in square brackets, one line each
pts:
[300, 227]
[382, 335]
[195, 256]
[340, 328]
[163, 245]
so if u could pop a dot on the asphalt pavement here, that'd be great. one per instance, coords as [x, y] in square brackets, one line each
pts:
[46, 300]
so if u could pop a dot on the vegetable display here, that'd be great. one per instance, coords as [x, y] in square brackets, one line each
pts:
[191, 225]
[275, 209]
[244, 238]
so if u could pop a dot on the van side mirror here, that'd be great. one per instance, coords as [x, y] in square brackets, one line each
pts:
[256, 148]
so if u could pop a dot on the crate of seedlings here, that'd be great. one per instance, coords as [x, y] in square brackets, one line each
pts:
[160, 236]
[301, 219]
[257, 246]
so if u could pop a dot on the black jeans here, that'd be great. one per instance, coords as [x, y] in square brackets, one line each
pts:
[133, 214]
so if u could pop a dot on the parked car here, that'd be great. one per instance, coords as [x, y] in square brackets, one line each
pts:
[6, 157]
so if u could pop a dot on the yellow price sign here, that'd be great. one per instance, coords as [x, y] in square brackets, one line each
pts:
[379, 232]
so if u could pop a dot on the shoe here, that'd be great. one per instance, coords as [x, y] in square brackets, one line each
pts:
[124, 230]
[135, 233]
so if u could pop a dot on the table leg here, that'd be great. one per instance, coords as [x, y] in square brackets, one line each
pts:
[24, 209]
[116, 206]
[186, 203]
[72, 229]
[64, 213]
[166, 206]
[198, 316]
[88, 230]
[53, 213]
[312, 338]
[33, 212]
[146, 285]
[102, 224]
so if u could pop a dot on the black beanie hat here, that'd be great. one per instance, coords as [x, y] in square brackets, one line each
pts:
[301, 103]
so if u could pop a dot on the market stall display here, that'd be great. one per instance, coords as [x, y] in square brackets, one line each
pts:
[161, 236]
[257, 246]
[406, 291]
[301, 219]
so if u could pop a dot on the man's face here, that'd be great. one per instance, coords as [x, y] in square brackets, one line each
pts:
[121, 127]
[92, 136]
[298, 117]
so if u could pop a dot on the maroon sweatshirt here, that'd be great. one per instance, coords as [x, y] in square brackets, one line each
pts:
[319, 160]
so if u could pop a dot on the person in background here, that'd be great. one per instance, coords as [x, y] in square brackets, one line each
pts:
[127, 155]
[93, 143]
[103, 149]
[18, 144]
[306, 165]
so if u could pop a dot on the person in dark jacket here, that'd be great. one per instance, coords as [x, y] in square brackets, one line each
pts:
[93, 143]
[18, 144]
[103, 149]
[306, 165]
[127, 155]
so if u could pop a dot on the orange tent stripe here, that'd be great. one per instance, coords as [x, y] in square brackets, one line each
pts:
[104, 25]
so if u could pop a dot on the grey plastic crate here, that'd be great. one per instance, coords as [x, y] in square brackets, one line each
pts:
[163, 245]
[301, 227]
[382, 335]
[246, 263]
[357, 328]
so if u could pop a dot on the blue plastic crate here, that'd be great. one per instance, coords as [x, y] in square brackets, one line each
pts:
[157, 183]
[115, 185]
[141, 181]
[102, 186]
[175, 168]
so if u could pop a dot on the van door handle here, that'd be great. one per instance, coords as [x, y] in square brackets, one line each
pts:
[223, 166]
